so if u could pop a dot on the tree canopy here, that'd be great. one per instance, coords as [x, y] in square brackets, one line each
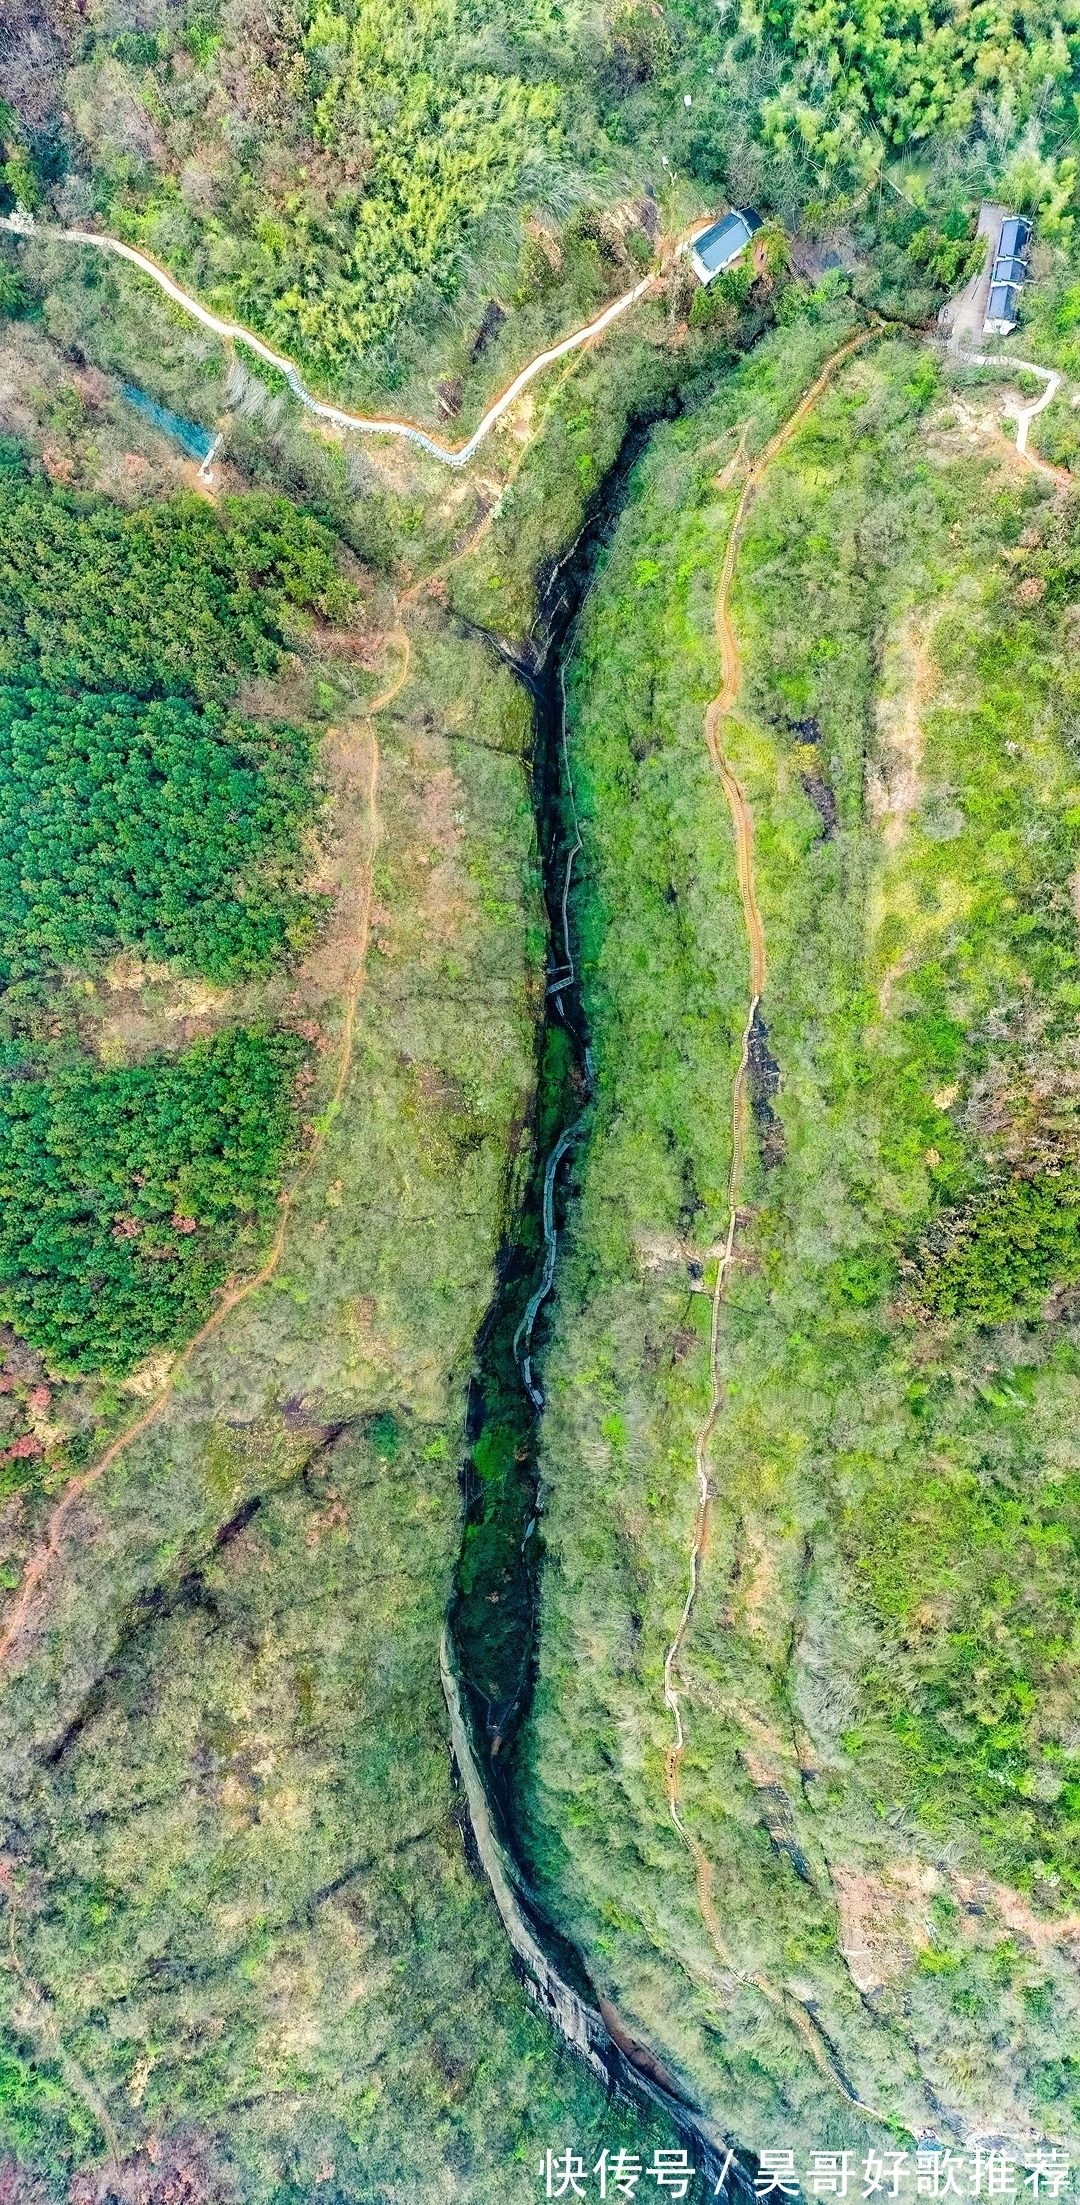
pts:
[176, 598]
[138, 812]
[122, 1191]
[155, 826]
[441, 135]
[135, 811]
[909, 69]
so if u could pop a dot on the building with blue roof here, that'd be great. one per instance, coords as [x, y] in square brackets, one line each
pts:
[1008, 274]
[717, 247]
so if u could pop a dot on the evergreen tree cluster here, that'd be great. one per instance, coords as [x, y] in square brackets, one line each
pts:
[123, 1192]
[140, 812]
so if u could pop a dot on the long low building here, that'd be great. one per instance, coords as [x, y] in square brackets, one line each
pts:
[1007, 277]
[715, 249]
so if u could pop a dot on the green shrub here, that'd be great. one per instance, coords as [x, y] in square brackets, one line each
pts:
[38, 2118]
[867, 73]
[948, 251]
[147, 826]
[1005, 1251]
[15, 295]
[122, 1192]
[20, 184]
[443, 137]
[1056, 436]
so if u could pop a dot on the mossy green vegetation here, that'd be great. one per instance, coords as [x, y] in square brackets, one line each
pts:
[125, 1195]
[879, 1670]
[34, 2106]
[304, 1968]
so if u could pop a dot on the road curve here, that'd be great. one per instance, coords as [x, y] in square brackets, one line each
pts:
[364, 424]
[1024, 415]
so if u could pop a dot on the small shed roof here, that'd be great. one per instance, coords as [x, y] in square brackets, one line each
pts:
[1015, 234]
[1002, 309]
[716, 248]
[1008, 276]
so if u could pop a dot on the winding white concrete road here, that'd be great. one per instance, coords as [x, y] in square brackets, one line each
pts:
[1024, 415]
[22, 225]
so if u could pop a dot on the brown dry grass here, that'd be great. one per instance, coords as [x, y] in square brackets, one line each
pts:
[894, 795]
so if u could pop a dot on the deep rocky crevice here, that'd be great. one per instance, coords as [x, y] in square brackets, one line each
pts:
[493, 1618]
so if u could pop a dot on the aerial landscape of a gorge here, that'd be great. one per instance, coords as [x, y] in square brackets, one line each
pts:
[539, 1101]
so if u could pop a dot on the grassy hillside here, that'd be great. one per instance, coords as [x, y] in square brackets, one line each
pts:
[246, 1940]
[879, 1674]
[302, 1973]
[247, 1949]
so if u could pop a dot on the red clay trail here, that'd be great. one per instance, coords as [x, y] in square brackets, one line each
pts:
[742, 821]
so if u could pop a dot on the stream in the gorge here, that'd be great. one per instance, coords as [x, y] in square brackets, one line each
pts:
[491, 1642]
[494, 1612]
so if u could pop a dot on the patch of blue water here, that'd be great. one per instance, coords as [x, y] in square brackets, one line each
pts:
[192, 439]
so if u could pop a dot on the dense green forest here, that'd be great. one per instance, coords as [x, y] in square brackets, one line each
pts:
[125, 1194]
[907, 74]
[134, 812]
[357, 180]
[139, 813]
[175, 598]
[151, 826]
